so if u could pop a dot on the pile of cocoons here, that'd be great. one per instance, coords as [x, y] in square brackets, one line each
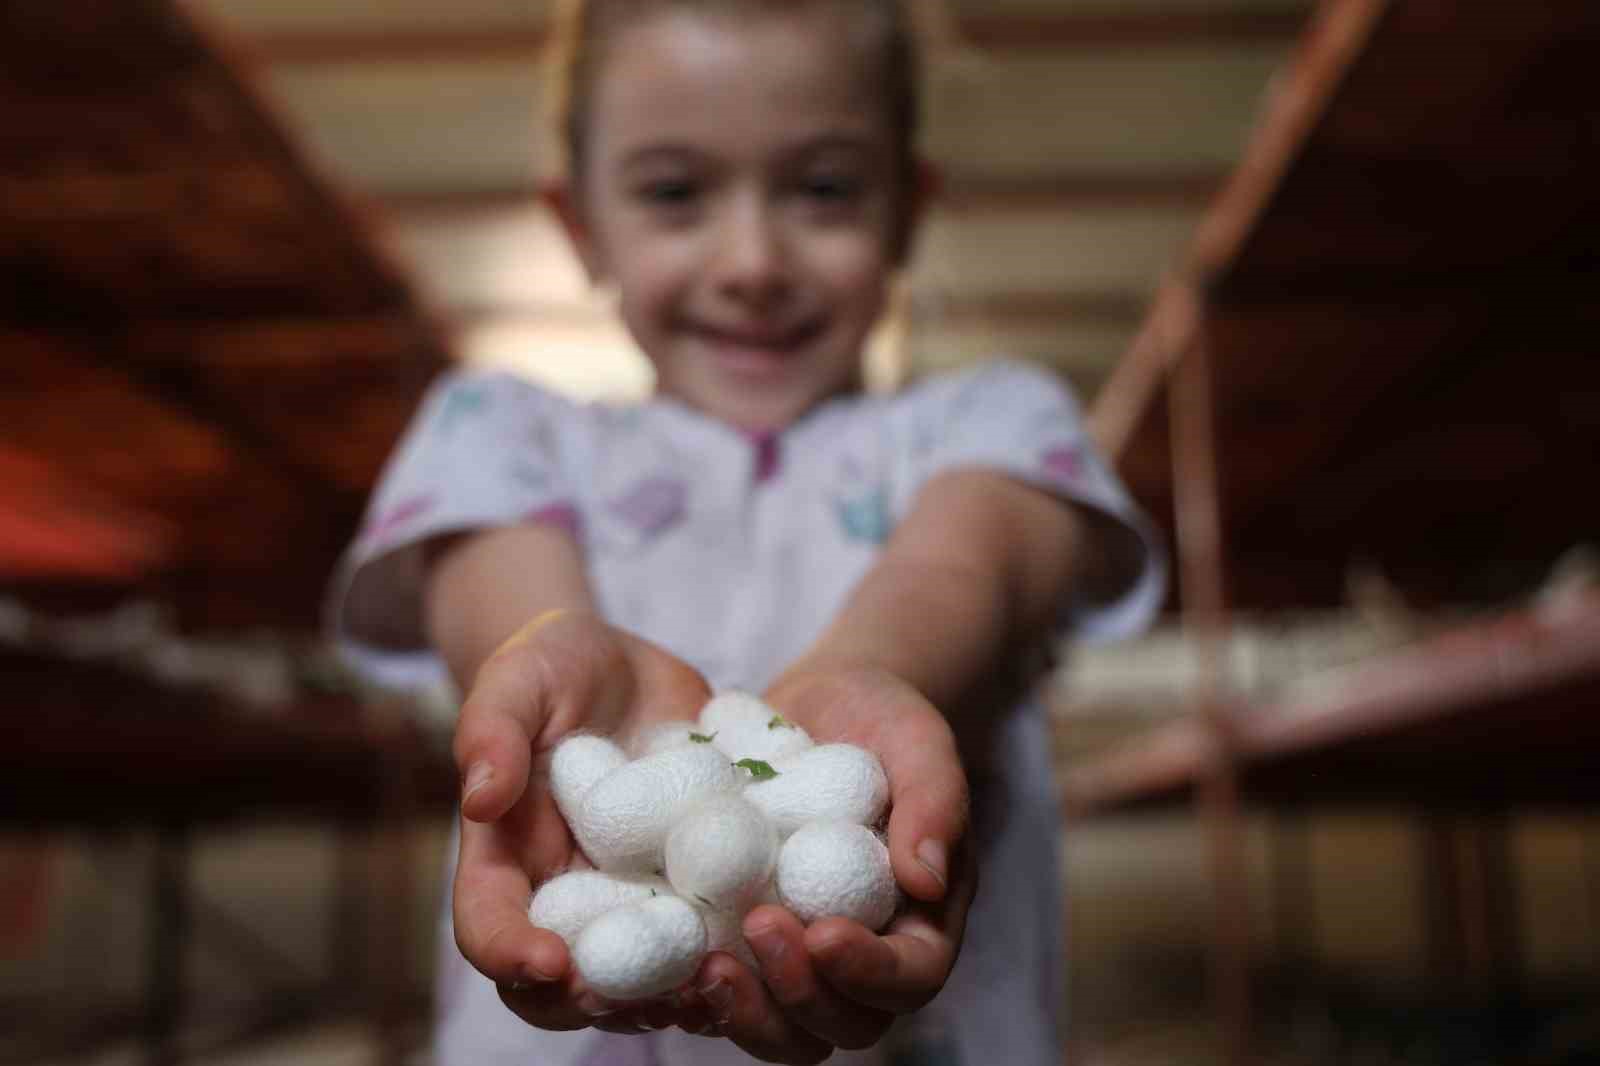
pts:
[701, 822]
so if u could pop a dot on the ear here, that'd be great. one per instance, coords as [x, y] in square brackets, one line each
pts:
[563, 201]
[922, 189]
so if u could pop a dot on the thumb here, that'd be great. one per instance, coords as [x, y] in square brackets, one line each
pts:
[494, 735]
[927, 823]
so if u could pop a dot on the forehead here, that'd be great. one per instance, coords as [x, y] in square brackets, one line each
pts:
[737, 81]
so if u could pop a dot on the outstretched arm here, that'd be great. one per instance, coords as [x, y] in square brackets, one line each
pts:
[977, 571]
[511, 613]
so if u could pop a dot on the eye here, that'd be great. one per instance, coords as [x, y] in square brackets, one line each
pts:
[668, 192]
[831, 188]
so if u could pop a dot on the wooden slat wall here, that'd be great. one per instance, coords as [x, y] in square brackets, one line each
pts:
[1079, 141]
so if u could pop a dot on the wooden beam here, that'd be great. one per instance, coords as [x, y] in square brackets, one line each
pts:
[1132, 29]
[1009, 32]
[54, 527]
[267, 343]
[958, 195]
[1430, 722]
[1112, 308]
[1037, 309]
[1293, 108]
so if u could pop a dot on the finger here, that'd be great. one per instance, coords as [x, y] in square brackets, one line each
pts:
[571, 1004]
[929, 814]
[532, 836]
[563, 670]
[898, 972]
[906, 967]
[551, 1005]
[779, 941]
[747, 1015]
[649, 1017]
[490, 907]
[504, 712]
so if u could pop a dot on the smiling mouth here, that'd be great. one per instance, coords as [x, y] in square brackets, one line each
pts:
[757, 347]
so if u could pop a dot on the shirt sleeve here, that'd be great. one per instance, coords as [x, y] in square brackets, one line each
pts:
[1024, 421]
[483, 451]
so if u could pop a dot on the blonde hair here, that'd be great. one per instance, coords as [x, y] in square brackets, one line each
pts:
[581, 28]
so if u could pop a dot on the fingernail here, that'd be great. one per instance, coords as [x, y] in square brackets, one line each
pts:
[934, 858]
[769, 945]
[531, 974]
[594, 1006]
[719, 994]
[478, 775]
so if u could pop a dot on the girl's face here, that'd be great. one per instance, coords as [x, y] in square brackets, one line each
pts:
[738, 186]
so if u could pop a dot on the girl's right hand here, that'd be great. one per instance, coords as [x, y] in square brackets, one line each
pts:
[565, 671]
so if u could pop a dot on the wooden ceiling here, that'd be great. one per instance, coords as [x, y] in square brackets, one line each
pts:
[1397, 293]
[237, 237]
[1079, 140]
[207, 350]
[203, 360]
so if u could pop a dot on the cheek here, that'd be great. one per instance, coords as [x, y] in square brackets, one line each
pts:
[648, 287]
[858, 272]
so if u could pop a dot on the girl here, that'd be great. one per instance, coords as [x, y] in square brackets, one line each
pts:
[743, 173]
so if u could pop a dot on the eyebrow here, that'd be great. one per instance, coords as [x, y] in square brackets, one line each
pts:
[663, 153]
[672, 152]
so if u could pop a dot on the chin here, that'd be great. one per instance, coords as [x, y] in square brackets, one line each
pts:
[759, 416]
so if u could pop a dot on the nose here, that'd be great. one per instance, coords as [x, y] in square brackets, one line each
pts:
[751, 259]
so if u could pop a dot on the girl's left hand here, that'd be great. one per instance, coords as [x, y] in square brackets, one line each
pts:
[836, 984]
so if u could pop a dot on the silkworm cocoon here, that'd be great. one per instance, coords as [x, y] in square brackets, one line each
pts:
[725, 932]
[568, 902]
[720, 854]
[659, 738]
[835, 868]
[641, 949]
[745, 727]
[622, 822]
[829, 781]
[577, 765]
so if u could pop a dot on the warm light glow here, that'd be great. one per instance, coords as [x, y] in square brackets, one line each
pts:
[595, 361]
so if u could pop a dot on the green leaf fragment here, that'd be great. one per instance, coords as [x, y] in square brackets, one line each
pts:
[758, 769]
[780, 722]
[701, 738]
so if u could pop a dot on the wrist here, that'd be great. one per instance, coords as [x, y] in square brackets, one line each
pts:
[540, 624]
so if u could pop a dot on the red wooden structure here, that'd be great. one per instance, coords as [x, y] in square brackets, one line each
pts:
[1380, 351]
[203, 361]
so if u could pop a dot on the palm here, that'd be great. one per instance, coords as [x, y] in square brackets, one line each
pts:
[837, 984]
[576, 674]
[888, 717]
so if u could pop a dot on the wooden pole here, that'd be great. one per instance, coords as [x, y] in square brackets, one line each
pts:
[1199, 550]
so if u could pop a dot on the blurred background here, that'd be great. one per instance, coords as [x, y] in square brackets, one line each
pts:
[1325, 275]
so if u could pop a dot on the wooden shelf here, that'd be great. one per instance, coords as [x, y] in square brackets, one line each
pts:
[1501, 711]
[1377, 356]
[90, 745]
[1387, 317]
